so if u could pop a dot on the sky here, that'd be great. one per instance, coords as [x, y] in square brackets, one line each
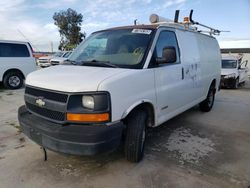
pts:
[31, 20]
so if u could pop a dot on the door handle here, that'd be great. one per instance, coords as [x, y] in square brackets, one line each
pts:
[182, 73]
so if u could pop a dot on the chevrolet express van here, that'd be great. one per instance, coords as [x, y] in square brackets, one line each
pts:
[233, 72]
[16, 62]
[116, 84]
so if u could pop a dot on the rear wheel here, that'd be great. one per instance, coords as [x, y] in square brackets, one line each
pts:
[135, 136]
[13, 80]
[208, 103]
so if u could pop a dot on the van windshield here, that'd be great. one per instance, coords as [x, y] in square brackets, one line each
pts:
[58, 54]
[229, 64]
[124, 48]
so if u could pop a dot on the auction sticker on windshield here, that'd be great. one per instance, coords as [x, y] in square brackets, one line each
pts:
[142, 31]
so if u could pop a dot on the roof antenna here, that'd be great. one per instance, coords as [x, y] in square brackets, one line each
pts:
[135, 22]
[176, 16]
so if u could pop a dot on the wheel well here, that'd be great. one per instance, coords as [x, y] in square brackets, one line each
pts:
[148, 107]
[13, 70]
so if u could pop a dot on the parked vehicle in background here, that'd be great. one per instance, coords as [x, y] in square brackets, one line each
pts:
[60, 60]
[16, 61]
[44, 61]
[119, 82]
[233, 71]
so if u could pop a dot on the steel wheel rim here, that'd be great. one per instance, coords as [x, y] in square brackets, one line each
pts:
[14, 81]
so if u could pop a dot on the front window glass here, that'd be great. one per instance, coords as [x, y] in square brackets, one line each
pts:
[124, 48]
[58, 54]
[67, 54]
[229, 64]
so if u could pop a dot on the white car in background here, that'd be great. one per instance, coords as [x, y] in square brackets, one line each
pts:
[45, 60]
[16, 62]
[233, 72]
[60, 60]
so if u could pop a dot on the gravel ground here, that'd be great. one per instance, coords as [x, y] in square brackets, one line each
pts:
[194, 149]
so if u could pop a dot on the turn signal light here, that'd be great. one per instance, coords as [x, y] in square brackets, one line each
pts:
[88, 117]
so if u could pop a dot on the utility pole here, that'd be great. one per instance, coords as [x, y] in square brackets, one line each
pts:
[51, 46]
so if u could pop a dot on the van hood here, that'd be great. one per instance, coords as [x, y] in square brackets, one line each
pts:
[71, 78]
[225, 72]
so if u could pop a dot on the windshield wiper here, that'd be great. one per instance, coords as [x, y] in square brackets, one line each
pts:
[98, 63]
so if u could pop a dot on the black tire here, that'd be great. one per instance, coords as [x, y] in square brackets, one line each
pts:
[236, 84]
[13, 80]
[207, 104]
[135, 136]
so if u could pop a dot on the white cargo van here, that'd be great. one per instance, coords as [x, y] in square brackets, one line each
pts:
[16, 61]
[233, 71]
[119, 82]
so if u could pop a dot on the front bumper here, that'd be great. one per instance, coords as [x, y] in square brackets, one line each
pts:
[227, 82]
[42, 64]
[54, 62]
[76, 139]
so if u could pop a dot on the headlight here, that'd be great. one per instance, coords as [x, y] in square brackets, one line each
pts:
[88, 102]
[89, 107]
[233, 75]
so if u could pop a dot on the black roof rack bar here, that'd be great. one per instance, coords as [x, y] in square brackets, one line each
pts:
[176, 16]
[212, 30]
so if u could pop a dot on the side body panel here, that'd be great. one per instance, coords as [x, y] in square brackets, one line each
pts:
[24, 64]
[243, 74]
[128, 90]
[174, 88]
[210, 58]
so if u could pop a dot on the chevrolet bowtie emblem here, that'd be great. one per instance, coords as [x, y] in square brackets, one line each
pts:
[40, 102]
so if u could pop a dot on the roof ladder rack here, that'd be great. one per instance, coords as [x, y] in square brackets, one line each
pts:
[212, 31]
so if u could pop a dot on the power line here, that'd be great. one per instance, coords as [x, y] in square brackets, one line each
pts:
[27, 39]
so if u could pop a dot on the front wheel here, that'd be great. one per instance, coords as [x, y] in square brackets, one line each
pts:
[135, 136]
[13, 80]
[207, 104]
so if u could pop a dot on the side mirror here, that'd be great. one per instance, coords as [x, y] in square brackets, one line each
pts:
[168, 55]
[246, 63]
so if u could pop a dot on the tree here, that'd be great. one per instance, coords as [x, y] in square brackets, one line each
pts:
[69, 23]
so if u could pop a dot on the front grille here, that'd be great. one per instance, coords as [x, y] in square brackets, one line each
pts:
[47, 94]
[43, 61]
[50, 111]
[53, 115]
[54, 62]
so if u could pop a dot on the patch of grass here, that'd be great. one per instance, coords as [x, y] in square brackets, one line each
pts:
[16, 126]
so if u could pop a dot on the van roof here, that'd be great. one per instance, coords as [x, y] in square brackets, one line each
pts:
[13, 41]
[132, 27]
[156, 26]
